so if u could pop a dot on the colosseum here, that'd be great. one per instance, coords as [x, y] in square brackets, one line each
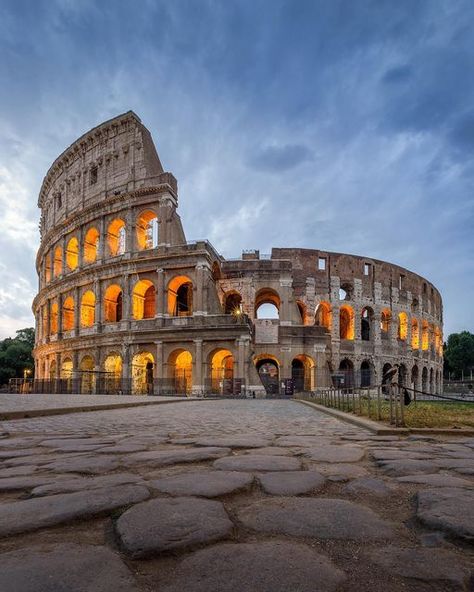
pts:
[127, 305]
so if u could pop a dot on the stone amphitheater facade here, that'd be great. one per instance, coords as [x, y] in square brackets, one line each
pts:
[126, 304]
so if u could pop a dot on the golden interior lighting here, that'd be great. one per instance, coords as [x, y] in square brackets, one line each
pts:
[402, 326]
[47, 267]
[66, 369]
[68, 314]
[72, 253]
[147, 230]
[142, 372]
[385, 320]
[58, 261]
[116, 237]
[88, 309]
[87, 374]
[180, 296]
[415, 334]
[425, 336]
[323, 316]
[143, 300]
[113, 304]
[91, 245]
[54, 318]
[346, 322]
[113, 365]
[222, 366]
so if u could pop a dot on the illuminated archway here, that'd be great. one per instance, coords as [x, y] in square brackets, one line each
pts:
[267, 304]
[147, 230]
[415, 334]
[142, 373]
[53, 328]
[323, 315]
[180, 296]
[438, 342]
[268, 368]
[233, 303]
[116, 237]
[58, 261]
[86, 368]
[53, 370]
[72, 253]
[68, 314]
[425, 335]
[91, 245]
[402, 326]
[302, 373]
[143, 300]
[88, 309]
[113, 304]
[180, 369]
[346, 322]
[66, 369]
[366, 323]
[221, 365]
[385, 321]
[111, 379]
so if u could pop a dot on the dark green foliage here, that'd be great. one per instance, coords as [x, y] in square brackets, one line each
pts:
[16, 355]
[459, 354]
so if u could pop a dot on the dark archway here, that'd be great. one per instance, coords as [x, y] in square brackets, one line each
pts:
[269, 374]
[365, 374]
[346, 369]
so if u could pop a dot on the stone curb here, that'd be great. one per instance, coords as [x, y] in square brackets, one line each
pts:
[29, 413]
[380, 430]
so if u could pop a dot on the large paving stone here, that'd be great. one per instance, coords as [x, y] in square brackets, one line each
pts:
[291, 482]
[340, 471]
[368, 486]
[301, 441]
[430, 566]
[25, 482]
[64, 568]
[17, 471]
[436, 480]
[322, 518]
[272, 566]
[6, 454]
[84, 464]
[83, 484]
[399, 468]
[203, 483]
[383, 455]
[171, 523]
[42, 512]
[449, 509]
[257, 462]
[70, 444]
[336, 454]
[234, 441]
[161, 458]
[274, 451]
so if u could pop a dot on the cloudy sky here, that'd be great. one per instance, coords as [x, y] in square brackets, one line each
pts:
[345, 125]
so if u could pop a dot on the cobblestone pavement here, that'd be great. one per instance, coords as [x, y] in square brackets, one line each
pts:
[227, 496]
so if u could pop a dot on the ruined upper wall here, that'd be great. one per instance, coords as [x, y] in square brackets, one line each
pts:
[115, 157]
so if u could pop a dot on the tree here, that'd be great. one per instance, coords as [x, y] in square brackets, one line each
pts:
[459, 353]
[16, 355]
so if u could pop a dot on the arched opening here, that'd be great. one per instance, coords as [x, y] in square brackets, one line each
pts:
[268, 369]
[86, 368]
[142, 373]
[113, 373]
[425, 335]
[267, 304]
[72, 253]
[365, 374]
[386, 368]
[221, 363]
[402, 375]
[66, 369]
[88, 309]
[438, 342]
[233, 303]
[385, 321]
[346, 322]
[323, 315]
[91, 245]
[68, 314]
[346, 369]
[116, 237]
[143, 300]
[415, 377]
[147, 230]
[415, 334]
[302, 310]
[180, 369]
[53, 371]
[47, 267]
[113, 304]
[302, 373]
[54, 318]
[58, 262]
[402, 326]
[424, 379]
[431, 381]
[366, 322]
[180, 297]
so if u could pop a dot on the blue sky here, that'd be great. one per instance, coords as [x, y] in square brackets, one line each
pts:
[340, 125]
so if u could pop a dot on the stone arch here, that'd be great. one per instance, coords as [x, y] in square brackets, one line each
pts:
[402, 326]
[302, 373]
[302, 310]
[415, 334]
[180, 370]
[425, 335]
[346, 369]
[385, 323]
[91, 245]
[323, 315]
[53, 326]
[116, 237]
[88, 309]
[180, 296]
[113, 304]
[147, 230]
[111, 379]
[346, 322]
[72, 253]
[415, 377]
[366, 323]
[232, 303]
[67, 368]
[58, 262]
[366, 373]
[221, 369]
[68, 314]
[267, 304]
[432, 383]
[53, 371]
[424, 380]
[402, 375]
[144, 300]
[87, 374]
[143, 364]
[268, 369]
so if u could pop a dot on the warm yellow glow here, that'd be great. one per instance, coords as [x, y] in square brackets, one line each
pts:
[438, 342]
[180, 296]
[72, 253]
[45, 321]
[180, 368]
[54, 318]
[415, 334]
[232, 303]
[143, 300]
[91, 245]
[385, 320]
[323, 316]
[86, 368]
[66, 369]
[116, 237]
[142, 372]
[222, 366]
[425, 336]
[147, 230]
[113, 304]
[68, 314]
[47, 267]
[346, 322]
[88, 309]
[58, 261]
[113, 365]
[402, 326]
[309, 375]
[52, 370]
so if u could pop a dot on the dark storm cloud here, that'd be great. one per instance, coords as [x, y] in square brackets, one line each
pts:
[364, 107]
